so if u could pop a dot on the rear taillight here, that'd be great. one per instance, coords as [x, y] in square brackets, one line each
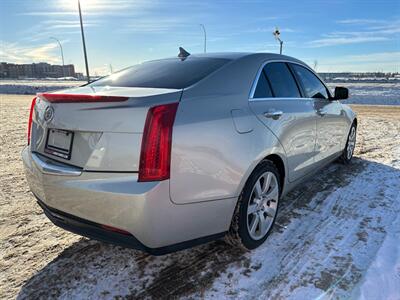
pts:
[155, 156]
[71, 98]
[31, 119]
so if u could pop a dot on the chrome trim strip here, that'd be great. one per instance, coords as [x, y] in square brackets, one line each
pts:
[254, 85]
[54, 169]
[279, 98]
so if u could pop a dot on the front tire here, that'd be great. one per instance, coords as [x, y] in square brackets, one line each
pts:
[257, 208]
[348, 151]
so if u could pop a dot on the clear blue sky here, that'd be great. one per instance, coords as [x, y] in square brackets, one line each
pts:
[341, 35]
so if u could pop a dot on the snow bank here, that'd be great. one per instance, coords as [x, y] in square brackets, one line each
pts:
[31, 87]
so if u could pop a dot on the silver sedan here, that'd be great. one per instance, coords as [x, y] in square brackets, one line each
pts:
[176, 152]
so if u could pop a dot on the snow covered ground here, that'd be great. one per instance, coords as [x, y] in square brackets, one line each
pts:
[337, 236]
[360, 92]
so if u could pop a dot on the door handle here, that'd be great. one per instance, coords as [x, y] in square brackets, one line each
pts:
[321, 113]
[274, 114]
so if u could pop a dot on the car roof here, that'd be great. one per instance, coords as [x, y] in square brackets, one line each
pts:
[257, 56]
[223, 55]
[252, 55]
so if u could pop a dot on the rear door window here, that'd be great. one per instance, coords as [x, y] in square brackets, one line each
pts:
[312, 86]
[282, 82]
[263, 89]
[171, 73]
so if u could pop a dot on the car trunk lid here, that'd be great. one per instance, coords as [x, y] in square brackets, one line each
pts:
[95, 128]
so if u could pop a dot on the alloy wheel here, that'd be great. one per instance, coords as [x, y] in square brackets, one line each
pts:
[262, 205]
[351, 143]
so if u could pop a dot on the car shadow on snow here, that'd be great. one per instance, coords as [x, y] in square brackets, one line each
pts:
[91, 269]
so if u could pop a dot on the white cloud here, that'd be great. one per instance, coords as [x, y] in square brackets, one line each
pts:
[379, 31]
[270, 30]
[59, 8]
[335, 41]
[57, 24]
[60, 17]
[13, 52]
[360, 21]
[48, 13]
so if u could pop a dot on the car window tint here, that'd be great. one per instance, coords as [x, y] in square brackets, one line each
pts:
[313, 87]
[282, 81]
[171, 73]
[262, 90]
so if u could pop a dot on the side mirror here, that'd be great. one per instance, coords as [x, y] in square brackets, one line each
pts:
[341, 93]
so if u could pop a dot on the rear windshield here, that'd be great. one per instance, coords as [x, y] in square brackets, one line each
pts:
[167, 73]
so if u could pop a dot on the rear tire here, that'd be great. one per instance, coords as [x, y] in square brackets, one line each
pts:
[257, 208]
[348, 151]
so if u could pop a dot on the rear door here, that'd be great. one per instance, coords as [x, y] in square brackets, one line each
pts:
[331, 123]
[277, 101]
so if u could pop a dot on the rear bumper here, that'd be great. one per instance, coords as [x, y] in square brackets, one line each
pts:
[96, 231]
[144, 209]
[89, 229]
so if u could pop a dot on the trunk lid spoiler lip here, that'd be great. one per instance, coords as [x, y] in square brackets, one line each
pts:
[129, 92]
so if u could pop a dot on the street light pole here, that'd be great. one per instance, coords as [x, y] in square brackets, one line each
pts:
[62, 54]
[205, 37]
[83, 42]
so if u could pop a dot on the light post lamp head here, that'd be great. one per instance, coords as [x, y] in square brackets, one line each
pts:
[277, 35]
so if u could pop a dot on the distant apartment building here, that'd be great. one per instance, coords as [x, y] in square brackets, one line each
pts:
[39, 70]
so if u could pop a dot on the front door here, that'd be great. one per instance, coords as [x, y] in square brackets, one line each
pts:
[330, 121]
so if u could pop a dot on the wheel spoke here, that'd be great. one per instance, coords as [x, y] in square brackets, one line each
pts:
[273, 194]
[267, 182]
[257, 189]
[254, 223]
[263, 223]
